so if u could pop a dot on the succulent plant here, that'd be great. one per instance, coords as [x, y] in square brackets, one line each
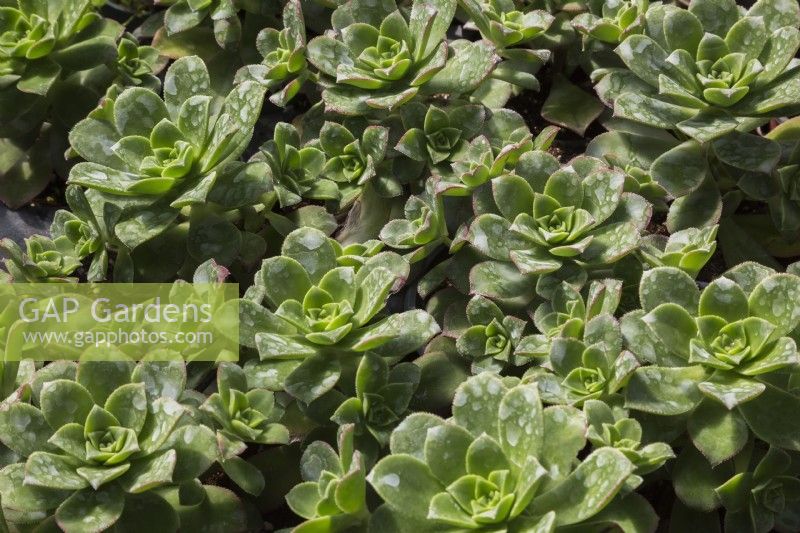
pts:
[242, 417]
[332, 496]
[491, 468]
[578, 213]
[53, 60]
[379, 58]
[352, 162]
[718, 352]
[592, 366]
[323, 316]
[688, 249]
[436, 135]
[514, 32]
[284, 67]
[422, 230]
[295, 169]
[158, 157]
[451, 316]
[489, 155]
[43, 260]
[729, 70]
[99, 462]
[763, 497]
[490, 338]
[611, 21]
[612, 427]
[381, 400]
[566, 314]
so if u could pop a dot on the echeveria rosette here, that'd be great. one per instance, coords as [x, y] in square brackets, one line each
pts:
[611, 426]
[566, 313]
[503, 141]
[723, 353]
[135, 65]
[88, 224]
[382, 397]
[612, 21]
[184, 15]
[99, 461]
[423, 229]
[242, 417]
[284, 68]
[352, 162]
[43, 260]
[376, 59]
[42, 42]
[579, 214]
[490, 338]
[634, 153]
[333, 494]
[591, 367]
[158, 156]
[513, 31]
[295, 168]
[708, 70]
[507, 465]
[763, 497]
[688, 249]
[323, 317]
[438, 136]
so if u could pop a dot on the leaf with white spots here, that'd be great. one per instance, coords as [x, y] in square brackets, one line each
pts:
[476, 404]
[161, 378]
[668, 284]
[283, 279]
[20, 497]
[589, 488]
[520, 424]
[681, 169]
[187, 77]
[403, 333]
[137, 111]
[151, 472]
[314, 377]
[63, 401]
[410, 435]
[162, 419]
[564, 433]
[725, 299]
[405, 483]
[129, 405]
[23, 428]
[665, 391]
[53, 471]
[777, 299]
[446, 448]
[87, 511]
[195, 447]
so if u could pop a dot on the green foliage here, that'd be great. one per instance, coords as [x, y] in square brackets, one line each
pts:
[708, 70]
[379, 58]
[322, 315]
[554, 216]
[453, 315]
[97, 440]
[43, 260]
[494, 467]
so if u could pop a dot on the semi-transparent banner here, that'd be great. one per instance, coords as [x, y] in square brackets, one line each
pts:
[49, 321]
